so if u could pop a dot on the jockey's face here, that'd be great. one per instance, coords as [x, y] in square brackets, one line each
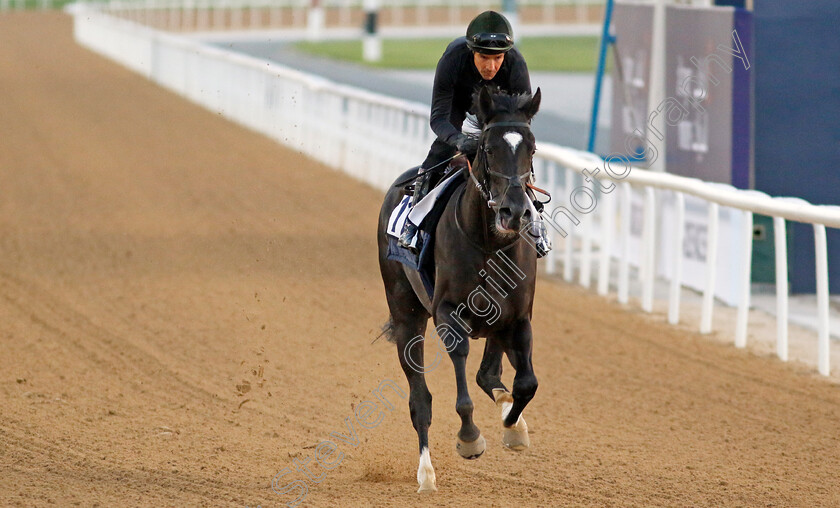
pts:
[488, 65]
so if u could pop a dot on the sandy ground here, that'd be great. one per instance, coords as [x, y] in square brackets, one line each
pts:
[182, 319]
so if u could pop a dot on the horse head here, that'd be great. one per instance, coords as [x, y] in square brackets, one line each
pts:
[506, 148]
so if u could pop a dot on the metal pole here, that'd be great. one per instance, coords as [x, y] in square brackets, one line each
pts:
[371, 43]
[656, 88]
[606, 39]
[315, 21]
[512, 15]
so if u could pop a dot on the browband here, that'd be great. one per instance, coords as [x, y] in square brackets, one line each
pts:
[507, 124]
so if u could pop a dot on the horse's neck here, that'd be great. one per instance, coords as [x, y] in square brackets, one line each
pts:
[477, 219]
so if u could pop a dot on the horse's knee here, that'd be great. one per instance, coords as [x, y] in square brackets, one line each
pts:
[525, 388]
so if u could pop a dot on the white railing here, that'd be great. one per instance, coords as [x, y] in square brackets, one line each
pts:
[207, 15]
[654, 185]
[364, 134]
[373, 138]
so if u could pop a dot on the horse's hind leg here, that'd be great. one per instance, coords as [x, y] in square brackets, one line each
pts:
[408, 324]
[410, 342]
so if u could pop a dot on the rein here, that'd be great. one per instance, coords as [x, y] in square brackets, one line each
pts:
[472, 242]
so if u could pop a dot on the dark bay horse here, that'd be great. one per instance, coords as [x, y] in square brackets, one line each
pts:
[484, 282]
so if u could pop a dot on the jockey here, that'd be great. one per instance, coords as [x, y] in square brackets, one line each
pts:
[486, 56]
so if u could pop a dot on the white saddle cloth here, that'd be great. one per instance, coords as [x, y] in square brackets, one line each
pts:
[404, 211]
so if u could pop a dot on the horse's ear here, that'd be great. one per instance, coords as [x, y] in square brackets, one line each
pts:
[533, 105]
[485, 103]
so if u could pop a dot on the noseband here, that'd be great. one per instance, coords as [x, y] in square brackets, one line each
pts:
[513, 181]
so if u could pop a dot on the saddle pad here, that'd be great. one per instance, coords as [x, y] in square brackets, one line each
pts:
[404, 211]
[398, 218]
[424, 263]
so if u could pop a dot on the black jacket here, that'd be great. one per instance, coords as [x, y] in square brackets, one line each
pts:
[456, 78]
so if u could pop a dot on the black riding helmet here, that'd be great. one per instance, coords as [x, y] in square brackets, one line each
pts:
[489, 33]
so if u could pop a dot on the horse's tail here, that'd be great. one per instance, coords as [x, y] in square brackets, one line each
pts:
[388, 331]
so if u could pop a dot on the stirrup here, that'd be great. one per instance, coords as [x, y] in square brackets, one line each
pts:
[542, 242]
[408, 236]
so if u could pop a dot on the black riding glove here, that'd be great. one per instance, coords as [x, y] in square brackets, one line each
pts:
[467, 145]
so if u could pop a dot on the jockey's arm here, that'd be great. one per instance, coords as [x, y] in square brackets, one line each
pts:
[520, 79]
[443, 97]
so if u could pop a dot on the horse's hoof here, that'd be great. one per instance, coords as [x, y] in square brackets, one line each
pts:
[516, 437]
[427, 487]
[426, 473]
[471, 450]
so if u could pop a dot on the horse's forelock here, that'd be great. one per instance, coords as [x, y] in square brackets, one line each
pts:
[503, 104]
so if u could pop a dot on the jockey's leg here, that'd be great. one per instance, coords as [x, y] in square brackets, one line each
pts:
[421, 188]
[537, 230]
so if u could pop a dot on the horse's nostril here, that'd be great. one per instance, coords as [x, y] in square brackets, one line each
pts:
[505, 212]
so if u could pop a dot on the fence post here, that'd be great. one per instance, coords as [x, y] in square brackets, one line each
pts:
[676, 274]
[820, 250]
[372, 43]
[570, 238]
[649, 250]
[315, 21]
[711, 269]
[780, 239]
[607, 232]
[623, 266]
[746, 275]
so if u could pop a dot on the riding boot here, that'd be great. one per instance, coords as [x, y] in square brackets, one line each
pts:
[542, 242]
[421, 188]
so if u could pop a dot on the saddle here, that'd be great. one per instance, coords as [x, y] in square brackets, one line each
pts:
[430, 210]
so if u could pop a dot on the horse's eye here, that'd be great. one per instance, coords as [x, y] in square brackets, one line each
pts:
[488, 150]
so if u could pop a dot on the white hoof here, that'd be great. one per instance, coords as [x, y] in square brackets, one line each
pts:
[515, 437]
[426, 473]
[472, 450]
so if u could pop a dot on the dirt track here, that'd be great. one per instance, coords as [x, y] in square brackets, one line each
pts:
[182, 317]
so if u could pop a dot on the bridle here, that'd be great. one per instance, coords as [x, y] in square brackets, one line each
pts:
[512, 181]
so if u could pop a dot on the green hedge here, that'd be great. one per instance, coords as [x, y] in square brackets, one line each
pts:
[561, 54]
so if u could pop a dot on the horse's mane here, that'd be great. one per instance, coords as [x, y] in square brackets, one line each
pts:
[503, 103]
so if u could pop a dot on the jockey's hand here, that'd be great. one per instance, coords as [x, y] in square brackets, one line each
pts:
[459, 162]
[467, 145]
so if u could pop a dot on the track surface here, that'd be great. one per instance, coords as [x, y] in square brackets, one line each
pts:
[182, 318]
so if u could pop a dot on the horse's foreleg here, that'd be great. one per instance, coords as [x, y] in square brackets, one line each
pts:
[410, 344]
[489, 376]
[524, 386]
[470, 443]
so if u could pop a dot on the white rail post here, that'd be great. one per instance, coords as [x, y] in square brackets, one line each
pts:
[551, 259]
[746, 279]
[626, 224]
[315, 21]
[821, 252]
[780, 239]
[676, 274]
[371, 42]
[607, 232]
[587, 226]
[570, 237]
[711, 269]
[649, 250]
